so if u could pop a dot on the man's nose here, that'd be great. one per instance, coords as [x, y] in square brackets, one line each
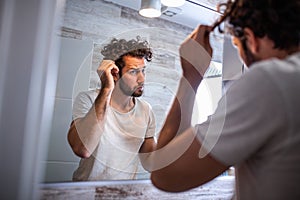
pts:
[141, 77]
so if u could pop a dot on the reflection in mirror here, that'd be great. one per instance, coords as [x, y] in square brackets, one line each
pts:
[87, 27]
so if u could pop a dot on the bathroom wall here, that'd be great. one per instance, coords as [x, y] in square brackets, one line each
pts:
[73, 76]
[88, 25]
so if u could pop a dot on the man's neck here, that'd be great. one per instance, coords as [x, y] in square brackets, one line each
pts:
[121, 102]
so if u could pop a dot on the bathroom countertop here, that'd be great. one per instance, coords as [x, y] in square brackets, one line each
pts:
[221, 188]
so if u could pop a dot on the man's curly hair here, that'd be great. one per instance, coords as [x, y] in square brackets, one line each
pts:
[117, 49]
[277, 19]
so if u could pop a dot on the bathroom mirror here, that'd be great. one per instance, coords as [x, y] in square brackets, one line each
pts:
[87, 26]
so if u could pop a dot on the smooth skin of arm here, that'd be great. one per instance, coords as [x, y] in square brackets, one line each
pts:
[176, 165]
[84, 133]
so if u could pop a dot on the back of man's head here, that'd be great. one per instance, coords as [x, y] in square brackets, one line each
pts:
[277, 19]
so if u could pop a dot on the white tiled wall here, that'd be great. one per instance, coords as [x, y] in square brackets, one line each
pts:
[73, 76]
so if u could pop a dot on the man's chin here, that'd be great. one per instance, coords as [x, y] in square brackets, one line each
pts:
[137, 94]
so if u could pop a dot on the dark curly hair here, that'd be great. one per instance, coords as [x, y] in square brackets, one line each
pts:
[279, 20]
[117, 49]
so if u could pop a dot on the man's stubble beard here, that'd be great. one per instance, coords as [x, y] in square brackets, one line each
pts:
[127, 91]
[249, 57]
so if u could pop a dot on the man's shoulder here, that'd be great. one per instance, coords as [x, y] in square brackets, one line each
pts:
[92, 94]
[89, 92]
[278, 65]
[143, 103]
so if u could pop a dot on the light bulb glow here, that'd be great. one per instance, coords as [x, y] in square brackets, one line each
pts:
[173, 3]
[150, 12]
[150, 8]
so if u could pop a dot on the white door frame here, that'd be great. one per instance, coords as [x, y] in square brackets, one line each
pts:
[28, 72]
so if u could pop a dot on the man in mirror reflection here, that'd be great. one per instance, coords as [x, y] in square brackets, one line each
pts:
[111, 125]
[256, 126]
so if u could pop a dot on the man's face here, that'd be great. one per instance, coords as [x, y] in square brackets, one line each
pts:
[132, 80]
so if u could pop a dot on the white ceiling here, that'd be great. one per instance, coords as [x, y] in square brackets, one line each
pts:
[191, 14]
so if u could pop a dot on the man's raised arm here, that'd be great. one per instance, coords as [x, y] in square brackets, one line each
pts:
[84, 133]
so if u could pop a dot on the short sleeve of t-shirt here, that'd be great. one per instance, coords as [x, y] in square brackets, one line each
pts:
[247, 116]
[83, 103]
[151, 126]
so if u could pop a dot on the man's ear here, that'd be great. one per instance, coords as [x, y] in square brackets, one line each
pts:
[251, 40]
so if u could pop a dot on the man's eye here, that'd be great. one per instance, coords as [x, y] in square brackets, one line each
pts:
[133, 72]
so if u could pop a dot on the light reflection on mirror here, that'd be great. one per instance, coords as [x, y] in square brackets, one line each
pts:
[87, 26]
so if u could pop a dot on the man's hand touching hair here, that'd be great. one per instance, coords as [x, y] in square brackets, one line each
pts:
[108, 73]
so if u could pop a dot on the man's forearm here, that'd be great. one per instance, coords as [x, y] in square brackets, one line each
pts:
[179, 117]
[178, 120]
[180, 114]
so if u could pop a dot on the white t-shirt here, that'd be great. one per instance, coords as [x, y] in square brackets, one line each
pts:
[116, 156]
[256, 128]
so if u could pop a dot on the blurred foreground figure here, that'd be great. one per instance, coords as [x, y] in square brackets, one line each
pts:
[256, 126]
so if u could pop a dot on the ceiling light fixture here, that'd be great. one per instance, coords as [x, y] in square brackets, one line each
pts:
[150, 8]
[173, 3]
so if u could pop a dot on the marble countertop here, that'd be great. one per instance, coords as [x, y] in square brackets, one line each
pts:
[221, 188]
